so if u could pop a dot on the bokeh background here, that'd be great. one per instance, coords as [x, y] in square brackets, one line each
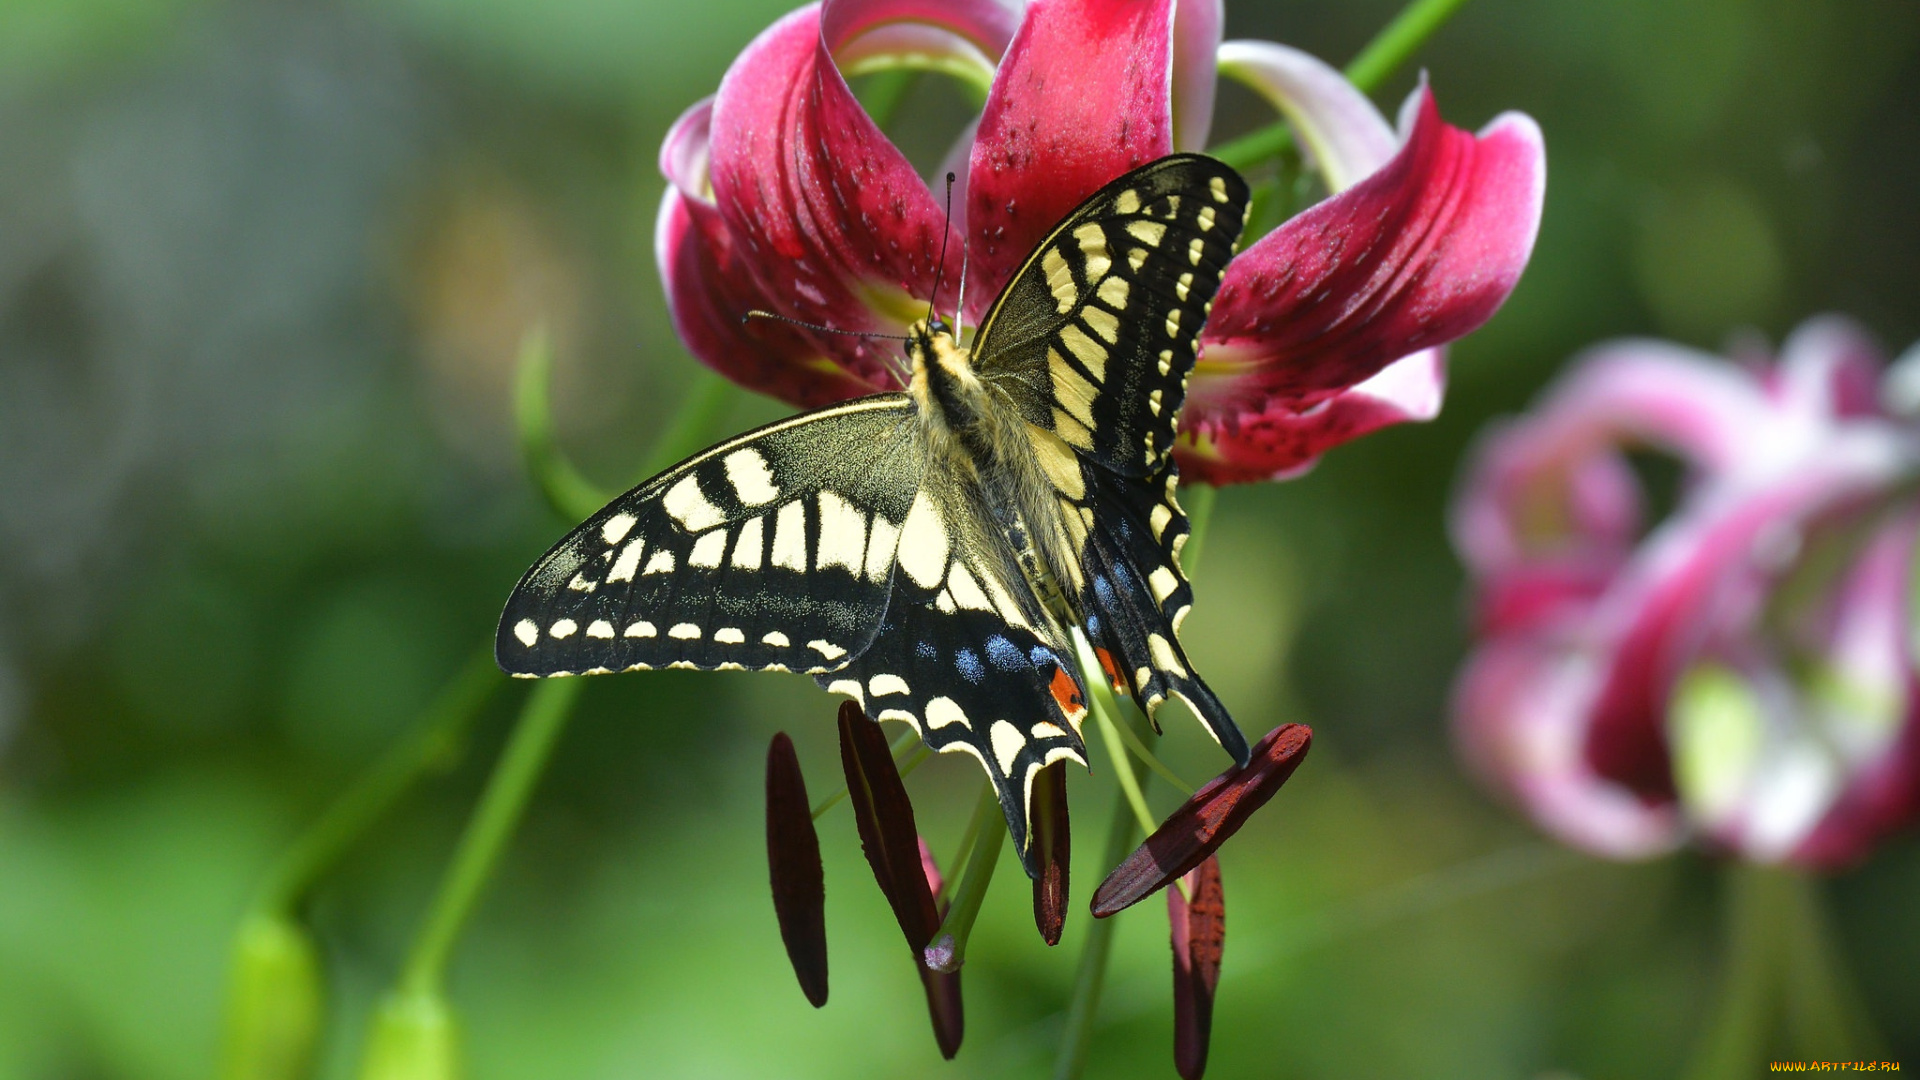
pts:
[264, 269]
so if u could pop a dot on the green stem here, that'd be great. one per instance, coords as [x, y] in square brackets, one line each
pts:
[1084, 1007]
[1826, 1018]
[960, 856]
[1393, 46]
[1736, 1041]
[949, 948]
[492, 826]
[1103, 707]
[1197, 500]
[1396, 42]
[571, 495]
[432, 745]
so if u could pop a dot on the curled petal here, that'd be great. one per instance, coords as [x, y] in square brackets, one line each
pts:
[793, 867]
[1556, 484]
[1419, 253]
[1198, 828]
[710, 284]
[1830, 367]
[1083, 95]
[1278, 442]
[833, 221]
[1052, 843]
[1196, 42]
[1338, 126]
[1199, 937]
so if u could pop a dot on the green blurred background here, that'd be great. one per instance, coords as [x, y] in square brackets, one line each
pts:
[264, 269]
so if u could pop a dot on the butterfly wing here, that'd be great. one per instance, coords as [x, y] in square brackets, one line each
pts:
[1095, 336]
[965, 655]
[772, 550]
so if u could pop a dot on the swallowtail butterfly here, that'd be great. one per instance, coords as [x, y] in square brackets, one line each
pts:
[931, 552]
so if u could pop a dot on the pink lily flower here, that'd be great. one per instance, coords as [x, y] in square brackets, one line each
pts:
[1740, 674]
[785, 196]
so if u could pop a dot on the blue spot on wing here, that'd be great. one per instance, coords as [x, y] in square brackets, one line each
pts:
[1005, 654]
[925, 650]
[970, 666]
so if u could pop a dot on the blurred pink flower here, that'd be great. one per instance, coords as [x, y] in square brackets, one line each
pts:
[1739, 674]
[786, 196]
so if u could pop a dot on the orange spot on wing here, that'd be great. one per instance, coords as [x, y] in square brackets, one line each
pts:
[1112, 669]
[1067, 693]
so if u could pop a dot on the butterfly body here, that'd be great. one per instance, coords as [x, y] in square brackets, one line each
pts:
[933, 552]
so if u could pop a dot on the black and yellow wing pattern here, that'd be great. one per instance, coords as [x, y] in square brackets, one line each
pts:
[841, 543]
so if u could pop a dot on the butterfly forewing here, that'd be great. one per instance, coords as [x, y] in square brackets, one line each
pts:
[772, 550]
[1105, 315]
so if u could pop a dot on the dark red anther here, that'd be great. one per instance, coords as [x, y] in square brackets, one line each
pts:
[1199, 827]
[1053, 845]
[793, 869]
[899, 860]
[1199, 930]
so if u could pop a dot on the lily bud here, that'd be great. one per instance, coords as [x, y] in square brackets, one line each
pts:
[414, 1037]
[276, 1001]
[794, 871]
[1198, 828]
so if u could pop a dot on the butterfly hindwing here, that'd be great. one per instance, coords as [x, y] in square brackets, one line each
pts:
[1096, 334]
[1138, 597]
[969, 682]
[772, 550]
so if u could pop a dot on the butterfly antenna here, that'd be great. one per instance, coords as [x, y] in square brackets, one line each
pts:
[946, 230]
[756, 313]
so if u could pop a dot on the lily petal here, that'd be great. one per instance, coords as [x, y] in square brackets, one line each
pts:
[1196, 43]
[1556, 485]
[1345, 136]
[836, 226]
[794, 871]
[1199, 937]
[1705, 571]
[1419, 253]
[1083, 94]
[1196, 830]
[1279, 443]
[1520, 711]
[710, 285]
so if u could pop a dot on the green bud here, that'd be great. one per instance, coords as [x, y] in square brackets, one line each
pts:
[276, 1001]
[414, 1037]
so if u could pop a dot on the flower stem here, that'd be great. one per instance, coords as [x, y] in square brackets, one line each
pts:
[1103, 707]
[1393, 46]
[494, 821]
[570, 494]
[433, 745]
[1762, 905]
[1084, 1007]
[949, 948]
[566, 489]
[1197, 500]
[1396, 43]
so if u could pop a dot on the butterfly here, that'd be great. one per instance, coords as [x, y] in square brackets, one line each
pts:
[931, 553]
